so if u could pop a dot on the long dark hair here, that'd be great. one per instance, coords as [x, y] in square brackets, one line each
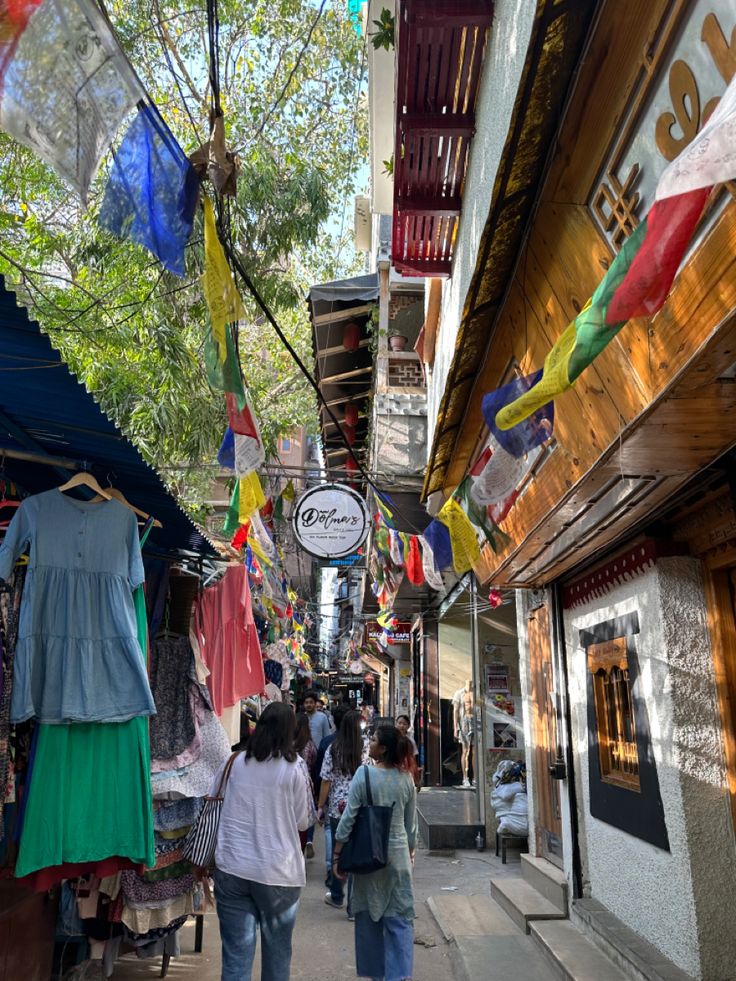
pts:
[303, 733]
[347, 749]
[274, 735]
[398, 749]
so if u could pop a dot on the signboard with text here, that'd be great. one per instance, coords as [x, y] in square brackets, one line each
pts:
[401, 634]
[331, 521]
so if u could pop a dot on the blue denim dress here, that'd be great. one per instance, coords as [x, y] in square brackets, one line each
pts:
[78, 658]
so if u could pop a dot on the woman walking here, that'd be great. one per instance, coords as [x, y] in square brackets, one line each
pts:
[383, 901]
[308, 752]
[342, 759]
[259, 863]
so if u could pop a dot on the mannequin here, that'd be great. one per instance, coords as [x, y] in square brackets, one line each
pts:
[463, 710]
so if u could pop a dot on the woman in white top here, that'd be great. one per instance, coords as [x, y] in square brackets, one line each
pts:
[259, 863]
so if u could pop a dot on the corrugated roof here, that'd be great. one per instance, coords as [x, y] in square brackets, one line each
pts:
[45, 409]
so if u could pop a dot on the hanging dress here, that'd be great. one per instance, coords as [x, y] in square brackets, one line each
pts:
[77, 658]
[90, 793]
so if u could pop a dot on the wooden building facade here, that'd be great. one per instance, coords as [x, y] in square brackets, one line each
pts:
[623, 538]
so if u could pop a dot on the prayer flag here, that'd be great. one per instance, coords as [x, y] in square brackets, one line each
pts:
[413, 562]
[480, 516]
[529, 432]
[708, 159]
[429, 566]
[463, 538]
[438, 538]
[669, 225]
[152, 191]
[232, 520]
[252, 497]
[223, 299]
[225, 377]
[226, 453]
[499, 478]
[66, 84]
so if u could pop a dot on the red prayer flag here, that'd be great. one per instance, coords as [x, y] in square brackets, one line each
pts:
[413, 563]
[670, 226]
[241, 420]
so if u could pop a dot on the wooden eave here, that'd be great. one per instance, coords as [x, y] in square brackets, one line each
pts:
[555, 46]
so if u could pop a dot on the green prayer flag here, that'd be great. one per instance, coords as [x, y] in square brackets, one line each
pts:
[223, 376]
[232, 519]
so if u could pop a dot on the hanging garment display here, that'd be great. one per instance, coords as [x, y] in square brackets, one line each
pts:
[78, 656]
[228, 640]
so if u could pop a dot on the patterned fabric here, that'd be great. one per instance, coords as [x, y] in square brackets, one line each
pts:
[9, 618]
[172, 814]
[172, 677]
[138, 891]
[274, 672]
[339, 783]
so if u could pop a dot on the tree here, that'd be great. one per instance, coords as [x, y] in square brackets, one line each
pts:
[291, 74]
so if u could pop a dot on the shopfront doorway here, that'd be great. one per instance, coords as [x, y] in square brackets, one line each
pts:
[544, 729]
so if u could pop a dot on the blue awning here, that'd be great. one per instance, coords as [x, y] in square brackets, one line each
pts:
[44, 410]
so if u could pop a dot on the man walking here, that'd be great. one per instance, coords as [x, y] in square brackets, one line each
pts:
[319, 727]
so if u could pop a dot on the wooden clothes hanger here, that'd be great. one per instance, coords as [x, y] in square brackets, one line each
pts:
[84, 479]
[108, 494]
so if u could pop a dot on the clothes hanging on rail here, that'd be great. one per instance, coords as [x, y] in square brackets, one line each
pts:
[228, 640]
[78, 655]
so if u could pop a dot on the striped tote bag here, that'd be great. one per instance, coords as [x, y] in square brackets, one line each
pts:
[200, 843]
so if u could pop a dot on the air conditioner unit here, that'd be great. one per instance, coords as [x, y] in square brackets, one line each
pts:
[363, 223]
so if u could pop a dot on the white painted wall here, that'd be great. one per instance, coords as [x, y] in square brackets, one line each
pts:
[504, 61]
[680, 901]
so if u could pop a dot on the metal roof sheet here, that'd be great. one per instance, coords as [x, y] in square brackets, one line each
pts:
[44, 409]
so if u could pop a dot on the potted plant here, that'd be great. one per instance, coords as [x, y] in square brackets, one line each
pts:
[397, 342]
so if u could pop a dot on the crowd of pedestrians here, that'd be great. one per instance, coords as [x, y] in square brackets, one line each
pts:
[298, 770]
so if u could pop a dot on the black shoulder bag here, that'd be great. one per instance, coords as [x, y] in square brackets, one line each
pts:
[366, 850]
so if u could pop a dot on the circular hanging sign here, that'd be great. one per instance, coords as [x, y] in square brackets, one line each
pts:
[331, 521]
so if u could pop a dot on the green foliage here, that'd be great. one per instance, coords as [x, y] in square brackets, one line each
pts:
[385, 36]
[133, 332]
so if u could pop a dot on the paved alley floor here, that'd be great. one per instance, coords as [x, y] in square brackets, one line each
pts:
[323, 938]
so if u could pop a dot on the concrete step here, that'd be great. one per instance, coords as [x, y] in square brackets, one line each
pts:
[546, 878]
[485, 943]
[573, 956]
[638, 958]
[522, 902]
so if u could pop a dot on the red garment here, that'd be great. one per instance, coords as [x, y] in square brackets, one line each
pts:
[46, 878]
[228, 640]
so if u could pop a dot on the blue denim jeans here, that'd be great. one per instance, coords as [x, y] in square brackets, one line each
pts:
[242, 907]
[337, 886]
[384, 951]
[328, 849]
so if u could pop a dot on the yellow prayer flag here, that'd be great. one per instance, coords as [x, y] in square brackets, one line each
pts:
[554, 381]
[289, 492]
[463, 538]
[222, 297]
[252, 497]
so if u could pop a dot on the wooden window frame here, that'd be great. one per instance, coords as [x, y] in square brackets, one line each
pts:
[614, 709]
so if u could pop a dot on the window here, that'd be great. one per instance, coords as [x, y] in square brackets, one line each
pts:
[614, 713]
[285, 444]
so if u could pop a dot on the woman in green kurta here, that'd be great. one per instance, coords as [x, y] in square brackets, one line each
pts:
[383, 901]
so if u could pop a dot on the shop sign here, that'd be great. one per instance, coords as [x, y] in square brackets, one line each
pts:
[497, 677]
[331, 521]
[401, 634]
[343, 678]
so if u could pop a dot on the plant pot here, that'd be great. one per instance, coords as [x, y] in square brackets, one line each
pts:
[397, 342]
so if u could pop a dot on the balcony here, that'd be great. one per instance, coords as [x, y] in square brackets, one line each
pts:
[440, 46]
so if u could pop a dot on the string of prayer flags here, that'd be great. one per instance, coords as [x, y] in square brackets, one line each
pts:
[386, 512]
[438, 537]
[152, 191]
[66, 84]
[463, 537]
[580, 343]
[530, 432]
[221, 294]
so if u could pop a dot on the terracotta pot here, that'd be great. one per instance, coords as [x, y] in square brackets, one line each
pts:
[397, 342]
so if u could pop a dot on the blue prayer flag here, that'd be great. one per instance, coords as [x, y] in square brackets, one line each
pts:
[532, 431]
[152, 191]
[226, 453]
[438, 538]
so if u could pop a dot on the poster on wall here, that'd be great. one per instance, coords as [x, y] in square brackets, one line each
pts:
[497, 677]
[504, 727]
